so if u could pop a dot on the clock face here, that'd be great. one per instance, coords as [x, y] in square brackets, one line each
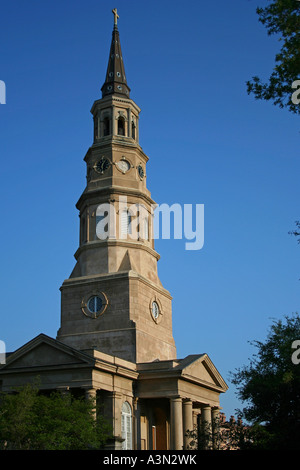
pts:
[102, 165]
[123, 165]
[141, 171]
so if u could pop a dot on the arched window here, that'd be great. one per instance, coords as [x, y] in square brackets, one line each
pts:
[133, 130]
[83, 230]
[96, 127]
[126, 426]
[106, 126]
[121, 126]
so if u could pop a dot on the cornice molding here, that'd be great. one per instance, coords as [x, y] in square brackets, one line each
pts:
[110, 190]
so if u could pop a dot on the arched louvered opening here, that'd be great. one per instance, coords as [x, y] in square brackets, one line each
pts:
[102, 228]
[146, 229]
[121, 126]
[126, 228]
[133, 133]
[106, 126]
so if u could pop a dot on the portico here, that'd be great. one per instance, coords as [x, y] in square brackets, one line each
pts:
[163, 399]
[188, 388]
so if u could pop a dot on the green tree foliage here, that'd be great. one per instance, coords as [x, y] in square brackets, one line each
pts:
[270, 387]
[281, 17]
[229, 435]
[33, 421]
[296, 232]
[218, 435]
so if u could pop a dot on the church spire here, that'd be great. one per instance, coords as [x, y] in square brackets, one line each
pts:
[115, 81]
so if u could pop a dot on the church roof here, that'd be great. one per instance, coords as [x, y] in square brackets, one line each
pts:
[44, 353]
[115, 80]
[196, 368]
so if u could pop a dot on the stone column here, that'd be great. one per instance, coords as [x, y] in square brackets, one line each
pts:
[137, 425]
[117, 418]
[176, 423]
[206, 424]
[137, 132]
[91, 394]
[129, 123]
[113, 121]
[215, 416]
[187, 421]
[112, 411]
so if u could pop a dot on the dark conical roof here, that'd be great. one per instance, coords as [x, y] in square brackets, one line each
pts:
[115, 81]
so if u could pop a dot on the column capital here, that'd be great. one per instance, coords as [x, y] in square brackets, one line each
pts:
[187, 401]
[176, 398]
[90, 392]
[135, 402]
[215, 411]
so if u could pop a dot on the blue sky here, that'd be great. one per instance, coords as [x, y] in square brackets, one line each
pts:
[208, 143]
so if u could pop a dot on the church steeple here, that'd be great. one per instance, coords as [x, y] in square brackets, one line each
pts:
[115, 81]
[114, 300]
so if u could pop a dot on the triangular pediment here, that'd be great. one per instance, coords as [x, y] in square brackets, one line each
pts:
[44, 351]
[126, 264]
[199, 368]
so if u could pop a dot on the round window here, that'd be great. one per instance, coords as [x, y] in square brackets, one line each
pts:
[141, 171]
[155, 310]
[94, 305]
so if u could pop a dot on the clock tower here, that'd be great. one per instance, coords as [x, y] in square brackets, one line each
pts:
[113, 300]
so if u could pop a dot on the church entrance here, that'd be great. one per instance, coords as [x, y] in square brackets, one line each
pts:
[160, 428]
[155, 424]
[159, 412]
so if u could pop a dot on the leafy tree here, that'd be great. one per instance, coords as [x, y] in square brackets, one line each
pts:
[30, 420]
[227, 435]
[281, 17]
[296, 232]
[270, 386]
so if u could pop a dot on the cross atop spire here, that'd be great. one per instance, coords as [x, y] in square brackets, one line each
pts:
[115, 80]
[116, 16]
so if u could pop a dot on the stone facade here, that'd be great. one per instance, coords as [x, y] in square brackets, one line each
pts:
[165, 398]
